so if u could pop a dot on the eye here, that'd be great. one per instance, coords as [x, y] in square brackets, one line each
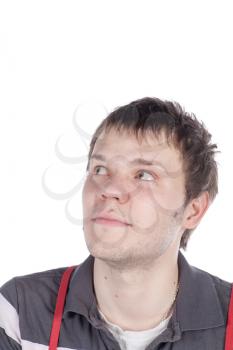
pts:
[146, 176]
[97, 168]
[151, 177]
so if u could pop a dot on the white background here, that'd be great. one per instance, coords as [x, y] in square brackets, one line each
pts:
[97, 55]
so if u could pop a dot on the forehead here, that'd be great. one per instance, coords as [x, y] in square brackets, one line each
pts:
[123, 146]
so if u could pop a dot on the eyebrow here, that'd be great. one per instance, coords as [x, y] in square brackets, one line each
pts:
[136, 161]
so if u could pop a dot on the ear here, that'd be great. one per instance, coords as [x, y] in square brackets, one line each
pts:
[195, 210]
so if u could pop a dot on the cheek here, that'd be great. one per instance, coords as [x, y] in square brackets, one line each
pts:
[87, 195]
[143, 210]
[90, 195]
[151, 207]
[168, 197]
[172, 198]
[93, 186]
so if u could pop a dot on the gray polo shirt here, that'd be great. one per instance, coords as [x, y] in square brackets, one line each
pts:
[27, 306]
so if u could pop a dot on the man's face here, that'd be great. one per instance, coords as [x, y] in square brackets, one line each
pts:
[149, 198]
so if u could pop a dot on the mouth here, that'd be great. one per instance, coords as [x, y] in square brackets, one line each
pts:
[109, 222]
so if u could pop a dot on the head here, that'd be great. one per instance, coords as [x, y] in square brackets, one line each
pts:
[167, 204]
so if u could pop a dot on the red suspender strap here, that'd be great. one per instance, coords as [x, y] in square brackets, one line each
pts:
[54, 336]
[229, 329]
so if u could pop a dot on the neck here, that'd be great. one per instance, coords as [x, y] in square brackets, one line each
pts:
[136, 298]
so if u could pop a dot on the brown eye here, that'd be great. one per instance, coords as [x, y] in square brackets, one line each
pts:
[97, 170]
[151, 177]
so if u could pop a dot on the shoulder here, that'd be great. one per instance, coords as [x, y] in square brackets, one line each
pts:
[216, 280]
[36, 292]
[221, 287]
[32, 285]
[26, 299]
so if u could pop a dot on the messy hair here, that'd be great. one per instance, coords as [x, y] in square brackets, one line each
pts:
[186, 133]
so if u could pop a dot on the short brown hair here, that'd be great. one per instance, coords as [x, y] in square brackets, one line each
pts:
[188, 135]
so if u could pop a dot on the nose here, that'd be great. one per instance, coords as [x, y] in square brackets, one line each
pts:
[113, 190]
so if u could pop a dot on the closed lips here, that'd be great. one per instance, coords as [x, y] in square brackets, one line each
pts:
[111, 218]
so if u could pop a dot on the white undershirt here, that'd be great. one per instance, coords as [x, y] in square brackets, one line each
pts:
[135, 340]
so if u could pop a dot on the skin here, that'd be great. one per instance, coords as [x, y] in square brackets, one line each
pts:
[136, 264]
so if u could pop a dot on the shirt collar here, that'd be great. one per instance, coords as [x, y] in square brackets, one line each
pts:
[80, 295]
[197, 305]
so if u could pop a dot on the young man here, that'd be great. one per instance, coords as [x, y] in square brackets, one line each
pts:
[151, 176]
